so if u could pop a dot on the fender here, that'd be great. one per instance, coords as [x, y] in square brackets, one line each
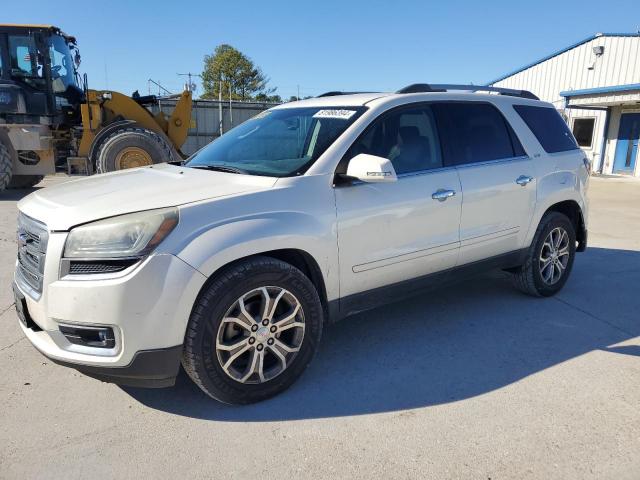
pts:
[209, 246]
[557, 187]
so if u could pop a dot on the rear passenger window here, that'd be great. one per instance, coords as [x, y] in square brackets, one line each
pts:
[549, 128]
[477, 132]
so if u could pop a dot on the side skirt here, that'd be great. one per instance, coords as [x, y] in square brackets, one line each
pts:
[369, 299]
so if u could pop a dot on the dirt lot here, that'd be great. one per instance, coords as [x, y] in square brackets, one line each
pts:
[476, 381]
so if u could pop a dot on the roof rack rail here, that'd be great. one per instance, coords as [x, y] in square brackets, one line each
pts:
[426, 87]
[336, 93]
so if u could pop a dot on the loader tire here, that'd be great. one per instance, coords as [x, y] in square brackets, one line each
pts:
[6, 167]
[25, 181]
[132, 147]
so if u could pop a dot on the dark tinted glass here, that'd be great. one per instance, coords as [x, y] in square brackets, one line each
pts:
[549, 128]
[476, 132]
[407, 137]
[583, 131]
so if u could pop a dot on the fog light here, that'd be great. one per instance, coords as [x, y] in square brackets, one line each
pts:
[96, 337]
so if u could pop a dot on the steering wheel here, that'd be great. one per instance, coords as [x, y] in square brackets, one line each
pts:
[55, 70]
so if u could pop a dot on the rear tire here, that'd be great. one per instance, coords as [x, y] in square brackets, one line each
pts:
[549, 259]
[6, 167]
[228, 320]
[25, 181]
[132, 147]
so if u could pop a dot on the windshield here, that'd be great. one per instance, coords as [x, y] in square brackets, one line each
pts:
[279, 143]
[63, 72]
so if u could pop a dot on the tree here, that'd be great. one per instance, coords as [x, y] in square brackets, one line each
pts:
[236, 73]
[263, 97]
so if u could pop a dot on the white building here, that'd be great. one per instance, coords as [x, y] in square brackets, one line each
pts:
[595, 83]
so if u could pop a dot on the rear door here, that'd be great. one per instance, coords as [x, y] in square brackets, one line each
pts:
[496, 176]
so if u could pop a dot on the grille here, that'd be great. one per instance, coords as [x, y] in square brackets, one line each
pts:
[32, 240]
[108, 266]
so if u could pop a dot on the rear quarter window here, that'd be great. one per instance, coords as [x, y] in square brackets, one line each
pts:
[549, 128]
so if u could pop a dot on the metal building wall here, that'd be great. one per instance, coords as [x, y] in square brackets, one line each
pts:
[619, 65]
[205, 117]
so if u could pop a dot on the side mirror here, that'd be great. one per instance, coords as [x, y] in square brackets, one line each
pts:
[371, 169]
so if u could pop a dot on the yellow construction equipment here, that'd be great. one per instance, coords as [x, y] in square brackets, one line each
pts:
[49, 116]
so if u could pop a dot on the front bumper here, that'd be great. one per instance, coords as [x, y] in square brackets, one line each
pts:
[147, 308]
[149, 369]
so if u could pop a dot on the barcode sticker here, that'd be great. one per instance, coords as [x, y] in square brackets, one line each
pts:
[338, 114]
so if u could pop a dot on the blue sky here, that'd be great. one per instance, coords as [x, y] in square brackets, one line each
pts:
[322, 45]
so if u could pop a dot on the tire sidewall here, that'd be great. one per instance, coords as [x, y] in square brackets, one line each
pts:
[208, 369]
[147, 140]
[555, 220]
[6, 167]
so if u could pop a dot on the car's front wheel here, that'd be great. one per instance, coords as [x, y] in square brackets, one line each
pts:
[253, 331]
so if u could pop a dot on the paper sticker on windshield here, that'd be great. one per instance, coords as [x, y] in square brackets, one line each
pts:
[338, 114]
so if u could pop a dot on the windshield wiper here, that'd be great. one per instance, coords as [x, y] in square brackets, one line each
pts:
[221, 168]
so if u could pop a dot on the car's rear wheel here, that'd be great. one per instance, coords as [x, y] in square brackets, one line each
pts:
[549, 259]
[253, 331]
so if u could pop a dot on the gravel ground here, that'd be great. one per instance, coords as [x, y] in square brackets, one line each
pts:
[475, 381]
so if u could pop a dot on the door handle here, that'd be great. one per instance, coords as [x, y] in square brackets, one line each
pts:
[522, 180]
[441, 195]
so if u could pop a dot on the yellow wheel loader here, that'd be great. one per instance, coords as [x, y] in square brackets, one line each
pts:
[48, 116]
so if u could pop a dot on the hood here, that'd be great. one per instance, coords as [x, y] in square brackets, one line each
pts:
[84, 200]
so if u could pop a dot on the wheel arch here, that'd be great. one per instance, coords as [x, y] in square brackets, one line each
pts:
[573, 211]
[301, 259]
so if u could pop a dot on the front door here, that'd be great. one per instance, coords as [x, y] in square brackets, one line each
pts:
[392, 232]
[627, 144]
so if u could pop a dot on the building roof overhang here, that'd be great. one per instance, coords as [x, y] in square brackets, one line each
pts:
[603, 96]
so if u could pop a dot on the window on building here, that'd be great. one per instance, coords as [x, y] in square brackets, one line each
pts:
[583, 131]
[407, 137]
[476, 132]
[548, 126]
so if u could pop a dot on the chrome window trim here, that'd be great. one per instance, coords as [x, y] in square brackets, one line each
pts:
[520, 158]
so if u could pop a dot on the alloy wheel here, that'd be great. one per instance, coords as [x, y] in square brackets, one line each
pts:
[260, 335]
[554, 256]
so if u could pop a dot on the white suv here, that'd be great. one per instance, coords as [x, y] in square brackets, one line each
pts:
[233, 262]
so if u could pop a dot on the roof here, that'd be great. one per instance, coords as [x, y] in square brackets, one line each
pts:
[352, 100]
[561, 51]
[53, 28]
[601, 90]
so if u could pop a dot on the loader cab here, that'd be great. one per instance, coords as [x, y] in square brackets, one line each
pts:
[38, 73]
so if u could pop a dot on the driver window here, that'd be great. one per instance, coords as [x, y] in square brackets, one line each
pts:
[407, 137]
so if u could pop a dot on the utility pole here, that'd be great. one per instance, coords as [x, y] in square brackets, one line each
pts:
[230, 107]
[220, 103]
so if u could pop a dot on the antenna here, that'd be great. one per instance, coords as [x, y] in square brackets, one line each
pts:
[189, 86]
[160, 87]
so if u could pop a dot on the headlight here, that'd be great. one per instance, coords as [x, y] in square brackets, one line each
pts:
[125, 236]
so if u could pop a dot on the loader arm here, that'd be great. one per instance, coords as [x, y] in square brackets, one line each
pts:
[105, 107]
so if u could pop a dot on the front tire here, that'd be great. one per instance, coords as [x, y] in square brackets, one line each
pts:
[550, 258]
[25, 181]
[6, 167]
[132, 147]
[253, 331]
